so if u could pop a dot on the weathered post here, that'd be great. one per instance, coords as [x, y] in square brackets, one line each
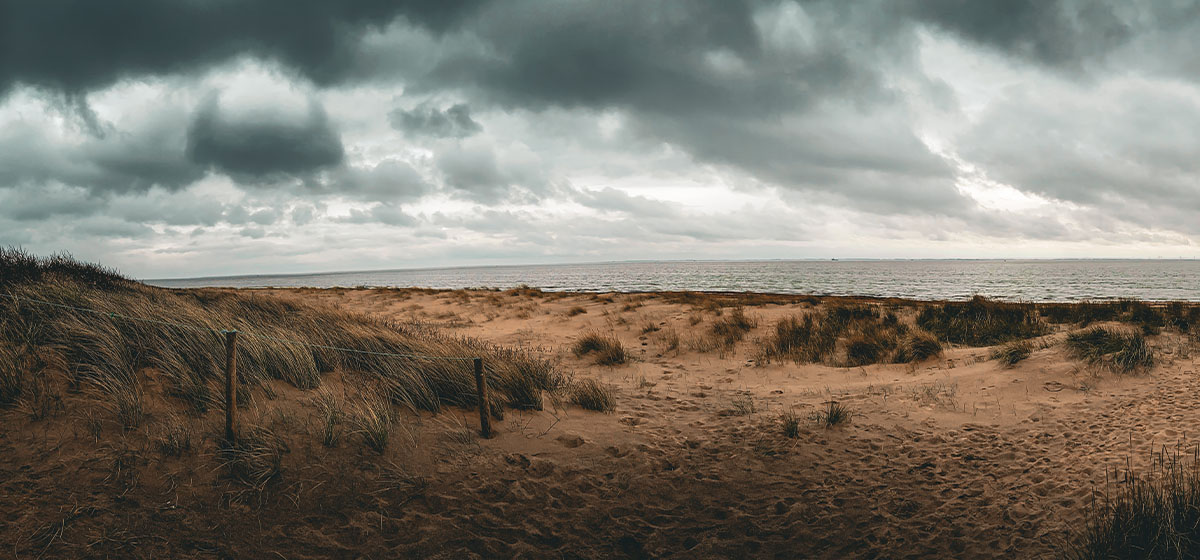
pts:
[485, 419]
[231, 386]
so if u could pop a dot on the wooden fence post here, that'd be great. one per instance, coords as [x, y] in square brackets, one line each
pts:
[485, 418]
[231, 387]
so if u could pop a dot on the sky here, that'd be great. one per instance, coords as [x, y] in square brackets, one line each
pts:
[175, 138]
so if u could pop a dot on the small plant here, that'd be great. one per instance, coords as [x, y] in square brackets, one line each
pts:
[668, 340]
[790, 424]
[1009, 354]
[577, 310]
[372, 419]
[861, 351]
[607, 350]
[1121, 351]
[593, 395]
[330, 411]
[256, 458]
[743, 405]
[917, 347]
[174, 438]
[649, 326]
[835, 414]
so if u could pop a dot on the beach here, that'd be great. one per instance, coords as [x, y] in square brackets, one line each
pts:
[952, 455]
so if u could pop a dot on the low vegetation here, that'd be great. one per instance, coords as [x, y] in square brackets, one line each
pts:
[576, 310]
[90, 331]
[981, 322]
[731, 328]
[593, 395]
[789, 423]
[1122, 351]
[835, 414]
[1146, 517]
[848, 336]
[1010, 353]
[606, 350]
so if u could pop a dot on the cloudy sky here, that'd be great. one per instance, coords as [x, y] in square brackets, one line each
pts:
[209, 137]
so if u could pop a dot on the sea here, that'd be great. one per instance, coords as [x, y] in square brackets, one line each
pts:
[1013, 280]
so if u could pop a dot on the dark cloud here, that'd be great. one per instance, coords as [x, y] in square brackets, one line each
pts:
[80, 45]
[1063, 33]
[453, 122]
[264, 146]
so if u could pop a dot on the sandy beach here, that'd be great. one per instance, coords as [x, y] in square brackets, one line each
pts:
[951, 456]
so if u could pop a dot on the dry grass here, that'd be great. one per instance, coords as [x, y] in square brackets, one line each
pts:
[981, 322]
[1154, 517]
[789, 423]
[1012, 352]
[1121, 351]
[668, 340]
[256, 458]
[847, 336]
[576, 310]
[173, 437]
[835, 414]
[593, 395]
[605, 349]
[331, 414]
[102, 353]
[725, 331]
[372, 418]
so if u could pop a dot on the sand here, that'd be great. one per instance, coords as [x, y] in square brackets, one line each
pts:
[955, 457]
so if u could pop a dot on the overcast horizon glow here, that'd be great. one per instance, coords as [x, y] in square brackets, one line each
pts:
[185, 139]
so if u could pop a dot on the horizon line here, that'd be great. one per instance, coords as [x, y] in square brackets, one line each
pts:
[632, 261]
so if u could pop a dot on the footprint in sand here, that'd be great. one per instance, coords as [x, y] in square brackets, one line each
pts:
[570, 440]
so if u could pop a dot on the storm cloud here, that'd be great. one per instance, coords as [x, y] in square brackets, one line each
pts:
[263, 145]
[305, 132]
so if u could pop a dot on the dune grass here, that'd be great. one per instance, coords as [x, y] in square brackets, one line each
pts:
[1122, 351]
[593, 395]
[981, 322]
[1155, 517]
[848, 336]
[835, 414]
[606, 350]
[104, 353]
[1012, 352]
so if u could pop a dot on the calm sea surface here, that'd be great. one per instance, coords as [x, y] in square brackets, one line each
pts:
[1036, 280]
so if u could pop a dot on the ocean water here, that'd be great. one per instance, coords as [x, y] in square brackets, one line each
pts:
[1027, 280]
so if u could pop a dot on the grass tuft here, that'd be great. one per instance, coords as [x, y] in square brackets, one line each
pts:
[789, 423]
[835, 414]
[257, 458]
[1119, 350]
[372, 419]
[606, 350]
[593, 395]
[1012, 352]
